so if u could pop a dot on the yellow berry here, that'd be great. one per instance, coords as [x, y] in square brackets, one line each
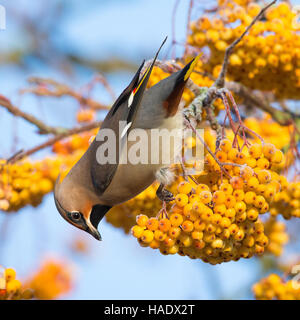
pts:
[174, 232]
[239, 195]
[13, 286]
[255, 150]
[173, 249]
[219, 197]
[237, 182]
[10, 274]
[176, 219]
[159, 235]
[142, 220]
[152, 224]
[263, 163]
[264, 176]
[249, 197]
[217, 244]
[225, 223]
[252, 214]
[181, 199]
[201, 187]
[147, 236]
[277, 157]
[164, 224]
[252, 183]
[205, 196]
[187, 226]
[268, 150]
[259, 201]
[184, 187]
[197, 235]
[226, 188]
[230, 201]
[225, 145]
[137, 231]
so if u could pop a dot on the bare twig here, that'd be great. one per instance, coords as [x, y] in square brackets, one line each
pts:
[43, 128]
[12, 157]
[50, 87]
[215, 125]
[101, 79]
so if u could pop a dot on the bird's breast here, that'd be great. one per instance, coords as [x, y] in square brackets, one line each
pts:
[147, 151]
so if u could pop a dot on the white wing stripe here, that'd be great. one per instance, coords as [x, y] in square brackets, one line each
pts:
[126, 129]
[130, 99]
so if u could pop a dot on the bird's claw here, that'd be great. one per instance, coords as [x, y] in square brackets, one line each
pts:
[165, 195]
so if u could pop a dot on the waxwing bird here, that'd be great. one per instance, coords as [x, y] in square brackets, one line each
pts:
[92, 187]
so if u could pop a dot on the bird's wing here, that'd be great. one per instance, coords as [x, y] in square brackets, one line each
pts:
[123, 111]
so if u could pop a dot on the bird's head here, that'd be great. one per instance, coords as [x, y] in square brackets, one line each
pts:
[79, 207]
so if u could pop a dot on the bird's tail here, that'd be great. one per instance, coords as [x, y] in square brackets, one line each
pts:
[172, 102]
[187, 70]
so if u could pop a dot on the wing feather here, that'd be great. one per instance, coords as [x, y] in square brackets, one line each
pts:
[124, 109]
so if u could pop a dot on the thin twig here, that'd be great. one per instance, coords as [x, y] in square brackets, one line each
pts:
[188, 123]
[256, 99]
[173, 28]
[52, 88]
[188, 23]
[219, 83]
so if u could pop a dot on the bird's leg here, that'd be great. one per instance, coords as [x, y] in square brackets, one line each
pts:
[164, 194]
[165, 176]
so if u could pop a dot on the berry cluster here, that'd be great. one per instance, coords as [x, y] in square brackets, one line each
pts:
[11, 288]
[275, 288]
[216, 218]
[287, 201]
[52, 280]
[76, 143]
[266, 59]
[270, 130]
[85, 115]
[277, 235]
[26, 182]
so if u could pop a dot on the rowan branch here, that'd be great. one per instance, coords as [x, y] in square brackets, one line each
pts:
[52, 88]
[22, 154]
[43, 128]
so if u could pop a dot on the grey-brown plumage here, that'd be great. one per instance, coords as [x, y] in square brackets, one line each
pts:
[90, 189]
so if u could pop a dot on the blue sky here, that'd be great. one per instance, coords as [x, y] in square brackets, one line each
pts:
[116, 268]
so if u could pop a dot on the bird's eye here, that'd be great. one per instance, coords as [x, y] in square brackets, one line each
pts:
[75, 216]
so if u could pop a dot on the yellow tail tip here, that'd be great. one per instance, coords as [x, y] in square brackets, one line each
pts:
[191, 68]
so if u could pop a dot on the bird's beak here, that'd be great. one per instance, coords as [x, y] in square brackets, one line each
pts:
[97, 213]
[93, 231]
